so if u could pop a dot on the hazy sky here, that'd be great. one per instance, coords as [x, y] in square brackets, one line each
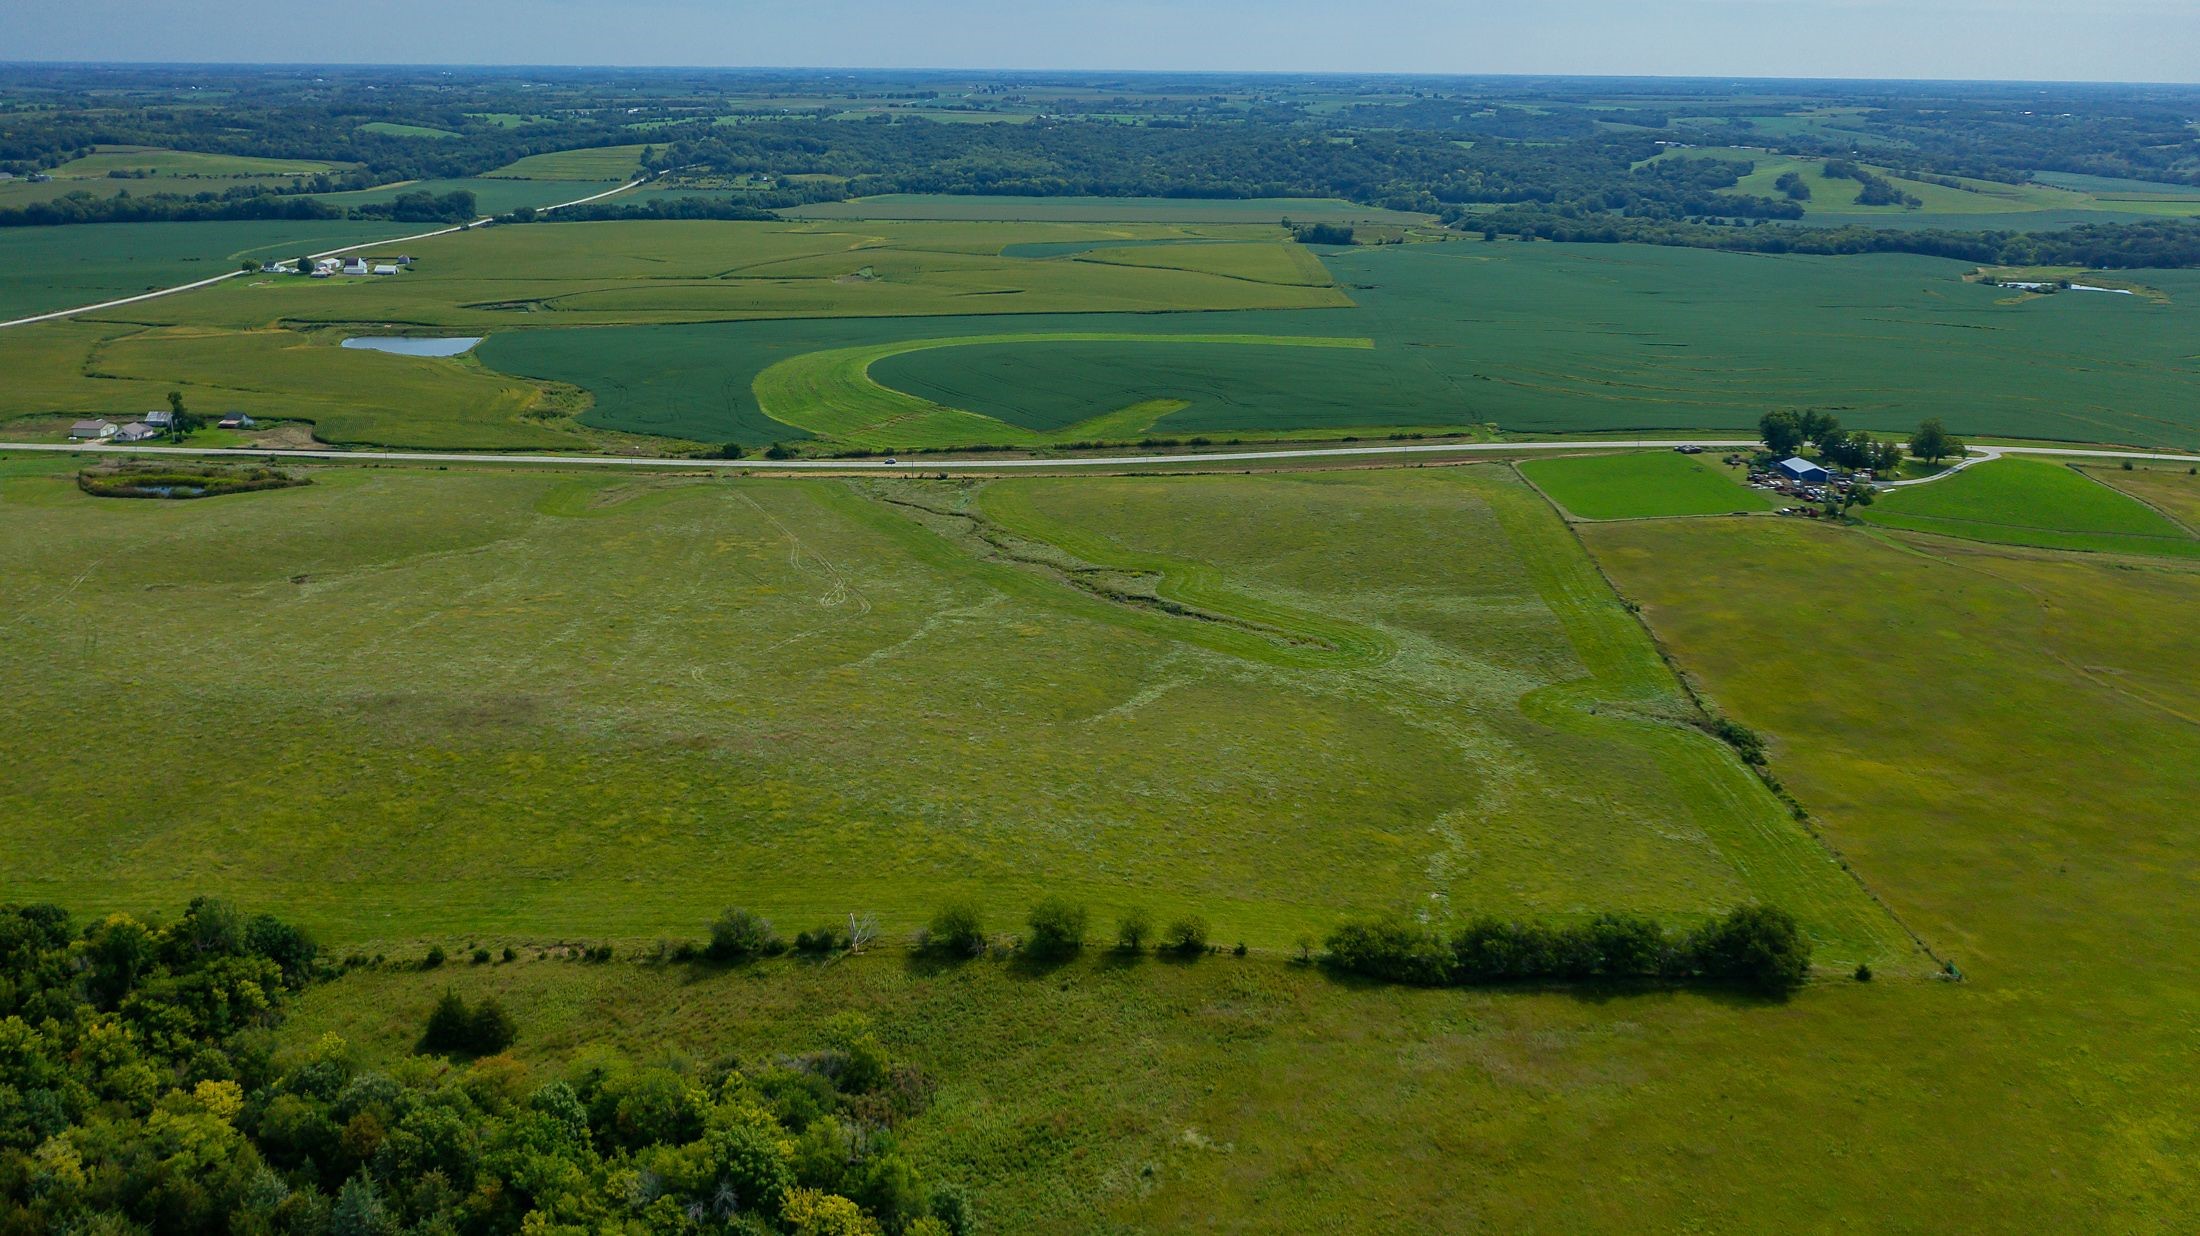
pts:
[2112, 40]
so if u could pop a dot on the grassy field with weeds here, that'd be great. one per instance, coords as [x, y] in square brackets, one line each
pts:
[2033, 502]
[542, 704]
[1640, 485]
[2002, 742]
[1995, 740]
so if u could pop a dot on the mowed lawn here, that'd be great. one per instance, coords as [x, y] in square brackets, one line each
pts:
[2033, 502]
[539, 705]
[1997, 741]
[1640, 485]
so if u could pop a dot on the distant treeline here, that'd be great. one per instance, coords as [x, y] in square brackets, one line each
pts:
[2158, 243]
[740, 209]
[420, 206]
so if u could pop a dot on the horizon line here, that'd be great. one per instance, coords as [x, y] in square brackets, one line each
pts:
[1401, 74]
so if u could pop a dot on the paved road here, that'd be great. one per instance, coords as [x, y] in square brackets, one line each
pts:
[926, 464]
[372, 244]
[913, 464]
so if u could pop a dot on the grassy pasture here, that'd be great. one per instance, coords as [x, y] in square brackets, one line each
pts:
[1997, 741]
[1008, 209]
[2032, 502]
[542, 704]
[1640, 485]
[612, 163]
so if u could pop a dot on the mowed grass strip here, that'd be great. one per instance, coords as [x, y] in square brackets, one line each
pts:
[1640, 485]
[2033, 502]
[831, 393]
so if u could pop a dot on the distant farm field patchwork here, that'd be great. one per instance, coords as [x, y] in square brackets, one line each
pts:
[1639, 485]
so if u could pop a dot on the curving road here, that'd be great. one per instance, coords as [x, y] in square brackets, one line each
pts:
[372, 244]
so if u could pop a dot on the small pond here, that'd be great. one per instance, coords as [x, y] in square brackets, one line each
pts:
[409, 345]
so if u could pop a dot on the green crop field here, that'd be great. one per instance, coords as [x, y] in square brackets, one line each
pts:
[831, 394]
[594, 163]
[609, 705]
[1652, 340]
[1639, 485]
[1552, 338]
[1945, 716]
[52, 268]
[2030, 502]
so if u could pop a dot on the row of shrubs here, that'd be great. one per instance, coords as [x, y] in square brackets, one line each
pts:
[1756, 947]
[1056, 928]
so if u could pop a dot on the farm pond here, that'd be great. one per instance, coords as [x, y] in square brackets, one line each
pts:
[408, 345]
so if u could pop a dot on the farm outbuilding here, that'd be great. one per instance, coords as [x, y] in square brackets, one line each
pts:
[92, 430]
[1802, 471]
